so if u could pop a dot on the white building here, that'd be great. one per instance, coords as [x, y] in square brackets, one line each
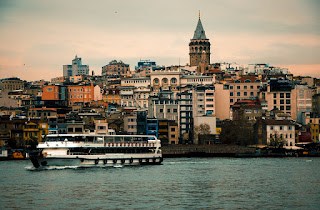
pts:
[283, 129]
[76, 68]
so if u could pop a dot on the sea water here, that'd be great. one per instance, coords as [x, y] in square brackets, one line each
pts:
[180, 183]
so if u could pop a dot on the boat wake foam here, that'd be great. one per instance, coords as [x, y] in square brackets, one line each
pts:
[31, 168]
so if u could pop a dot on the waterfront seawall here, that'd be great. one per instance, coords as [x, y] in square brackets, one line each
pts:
[206, 150]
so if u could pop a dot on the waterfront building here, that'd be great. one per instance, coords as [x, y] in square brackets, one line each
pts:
[265, 129]
[199, 48]
[313, 121]
[76, 68]
[13, 83]
[116, 68]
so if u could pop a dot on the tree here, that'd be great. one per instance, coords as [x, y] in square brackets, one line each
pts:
[201, 129]
[277, 141]
[239, 132]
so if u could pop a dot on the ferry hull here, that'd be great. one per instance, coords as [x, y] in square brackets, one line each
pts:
[40, 162]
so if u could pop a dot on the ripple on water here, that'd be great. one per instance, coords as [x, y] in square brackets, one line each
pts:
[205, 183]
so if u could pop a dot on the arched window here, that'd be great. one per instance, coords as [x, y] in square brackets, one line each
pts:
[164, 81]
[173, 80]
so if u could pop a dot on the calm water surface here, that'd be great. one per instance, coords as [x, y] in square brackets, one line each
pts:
[181, 183]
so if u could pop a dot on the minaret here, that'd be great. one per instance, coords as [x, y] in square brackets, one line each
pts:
[198, 45]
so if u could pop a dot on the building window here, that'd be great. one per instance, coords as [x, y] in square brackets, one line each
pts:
[245, 87]
[289, 127]
[288, 107]
[281, 101]
[281, 95]
[238, 93]
[288, 95]
[175, 110]
[231, 93]
[173, 129]
[288, 101]
[238, 87]
[251, 93]
[231, 87]
[280, 127]
[251, 87]
[271, 127]
[168, 110]
[245, 93]
[231, 100]
[274, 95]
[49, 89]
[161, 110]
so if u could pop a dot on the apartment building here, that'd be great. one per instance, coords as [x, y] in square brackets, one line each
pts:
[244, 88]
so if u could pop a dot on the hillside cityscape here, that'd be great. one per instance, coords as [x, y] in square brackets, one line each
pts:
[257, 106]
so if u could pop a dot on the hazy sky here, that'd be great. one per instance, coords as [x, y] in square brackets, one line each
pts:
[38, 37]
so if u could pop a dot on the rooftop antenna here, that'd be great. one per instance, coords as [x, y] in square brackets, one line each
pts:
[199, 14]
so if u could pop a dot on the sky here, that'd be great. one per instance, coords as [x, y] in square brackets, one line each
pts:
[38, 37]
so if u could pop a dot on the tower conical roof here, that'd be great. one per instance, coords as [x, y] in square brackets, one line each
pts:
[199, 33]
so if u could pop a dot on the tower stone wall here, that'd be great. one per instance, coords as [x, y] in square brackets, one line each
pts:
[198, 46]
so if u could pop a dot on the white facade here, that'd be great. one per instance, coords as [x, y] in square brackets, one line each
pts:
[287, 132]
[76, 68]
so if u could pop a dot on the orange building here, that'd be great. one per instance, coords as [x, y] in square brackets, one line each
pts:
[112, 96]
[50, 92]
[80, 93]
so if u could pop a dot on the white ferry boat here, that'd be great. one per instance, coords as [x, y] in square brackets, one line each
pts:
[85, 150]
